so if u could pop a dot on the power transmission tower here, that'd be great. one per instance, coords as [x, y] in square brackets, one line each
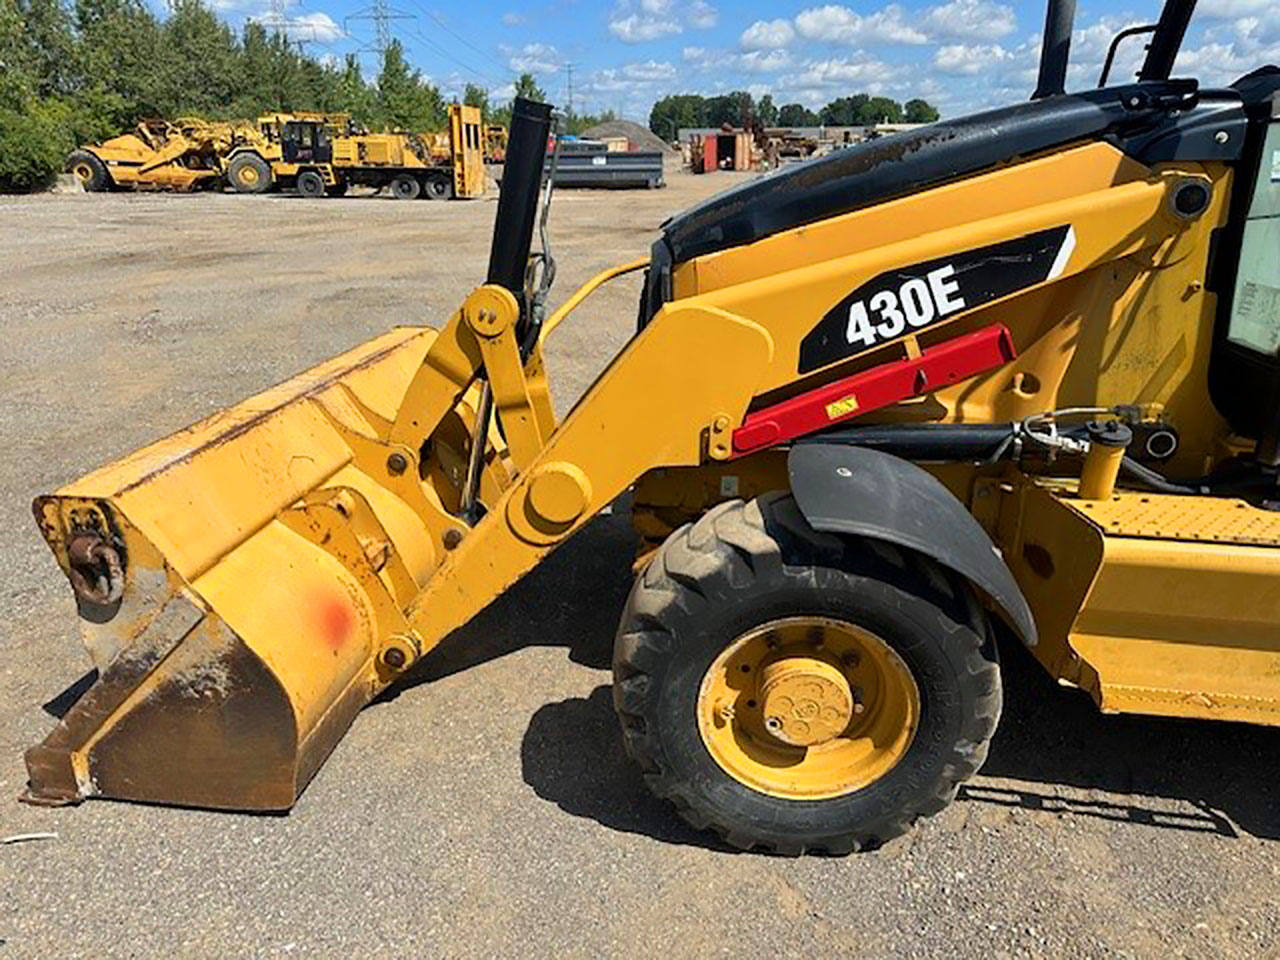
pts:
[278, 21]
[569, 94]
[381, 15]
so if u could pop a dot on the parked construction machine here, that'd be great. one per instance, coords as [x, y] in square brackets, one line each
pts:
[183, 154]
[1013, 375]
[323, 154]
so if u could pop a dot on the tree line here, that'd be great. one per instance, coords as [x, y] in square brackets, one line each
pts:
[76, 71]
[740, 109]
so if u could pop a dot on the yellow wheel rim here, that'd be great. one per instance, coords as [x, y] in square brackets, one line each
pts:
[83, 172]
[247, 175]
[808, 708]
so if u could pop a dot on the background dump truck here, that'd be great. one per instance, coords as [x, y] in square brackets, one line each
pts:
[180, 155]
[324, 154]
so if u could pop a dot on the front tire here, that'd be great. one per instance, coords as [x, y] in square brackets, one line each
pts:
[89, 170]
[311, 184]
[749, 631]
[249, 173]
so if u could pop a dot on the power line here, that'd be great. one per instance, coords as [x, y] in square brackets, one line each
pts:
[483, 78]
[505, 68]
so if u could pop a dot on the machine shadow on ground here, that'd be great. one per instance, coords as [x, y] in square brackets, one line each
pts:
[572, 754]
[1055, 736]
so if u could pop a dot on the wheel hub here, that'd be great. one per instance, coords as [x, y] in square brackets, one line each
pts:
[805, 701]
[808, 707]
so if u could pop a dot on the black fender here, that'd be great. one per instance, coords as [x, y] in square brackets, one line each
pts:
[866, 493]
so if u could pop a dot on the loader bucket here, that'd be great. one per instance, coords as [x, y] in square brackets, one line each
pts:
[233, 643]
[243, 584]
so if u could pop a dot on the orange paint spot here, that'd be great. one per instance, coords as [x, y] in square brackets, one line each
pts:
[336, 620]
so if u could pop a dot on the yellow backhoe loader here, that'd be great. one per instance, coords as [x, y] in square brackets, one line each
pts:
[1012, 375]
[184, 154]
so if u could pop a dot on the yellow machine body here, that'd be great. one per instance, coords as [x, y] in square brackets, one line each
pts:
[181, 155]
[353, 156]
[288, 559]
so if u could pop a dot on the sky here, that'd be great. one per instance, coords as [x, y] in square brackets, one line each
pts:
[960, 55]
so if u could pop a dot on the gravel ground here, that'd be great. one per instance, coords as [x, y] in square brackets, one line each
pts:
[489, 810]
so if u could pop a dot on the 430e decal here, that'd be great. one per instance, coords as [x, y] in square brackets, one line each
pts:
[912, 298]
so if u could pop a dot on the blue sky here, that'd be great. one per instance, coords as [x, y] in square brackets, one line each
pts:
[960, 55]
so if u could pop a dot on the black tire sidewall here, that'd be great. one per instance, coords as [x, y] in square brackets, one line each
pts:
[100, 180]
[437, 188]
[403, 188]
[310, 176]
[909, 624]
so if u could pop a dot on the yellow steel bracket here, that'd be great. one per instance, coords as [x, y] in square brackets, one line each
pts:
[340, 521]
[650, 409]
[447, 370]
[492, 313]
[535, 376]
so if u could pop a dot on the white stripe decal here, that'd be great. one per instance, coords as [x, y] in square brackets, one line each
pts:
[1064, 254]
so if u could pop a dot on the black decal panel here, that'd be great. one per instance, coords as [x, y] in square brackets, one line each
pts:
[912, 298]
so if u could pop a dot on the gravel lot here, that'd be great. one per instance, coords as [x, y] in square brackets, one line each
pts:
[489, 811]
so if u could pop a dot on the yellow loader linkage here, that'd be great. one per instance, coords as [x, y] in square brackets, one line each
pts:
[980, 380]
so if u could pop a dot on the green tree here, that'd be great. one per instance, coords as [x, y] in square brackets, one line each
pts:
[477, 96]
[46, 49]
[796, 115]
[880, 110]
[122, 55]
[736, 109]
[766, 111]
[33, 144]
[919, 111]
[669, 114]
[528, 88]
[200, 59]
[844, 111]
[405, 100]
[354, 95]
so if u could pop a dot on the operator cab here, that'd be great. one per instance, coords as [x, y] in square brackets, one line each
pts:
[305, 141]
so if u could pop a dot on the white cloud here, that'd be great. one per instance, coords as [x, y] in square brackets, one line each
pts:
[640, 27]
[318, 27]
[639, 21]
[955, 20]
[692, 54]
[763, 61]
[868, 74]
[512, 19]
[969, 20]
[649, 71]
[1230, 9]
[965, 60]
[837, 24]
[535, 58]
[702, 15]
[768, 35]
